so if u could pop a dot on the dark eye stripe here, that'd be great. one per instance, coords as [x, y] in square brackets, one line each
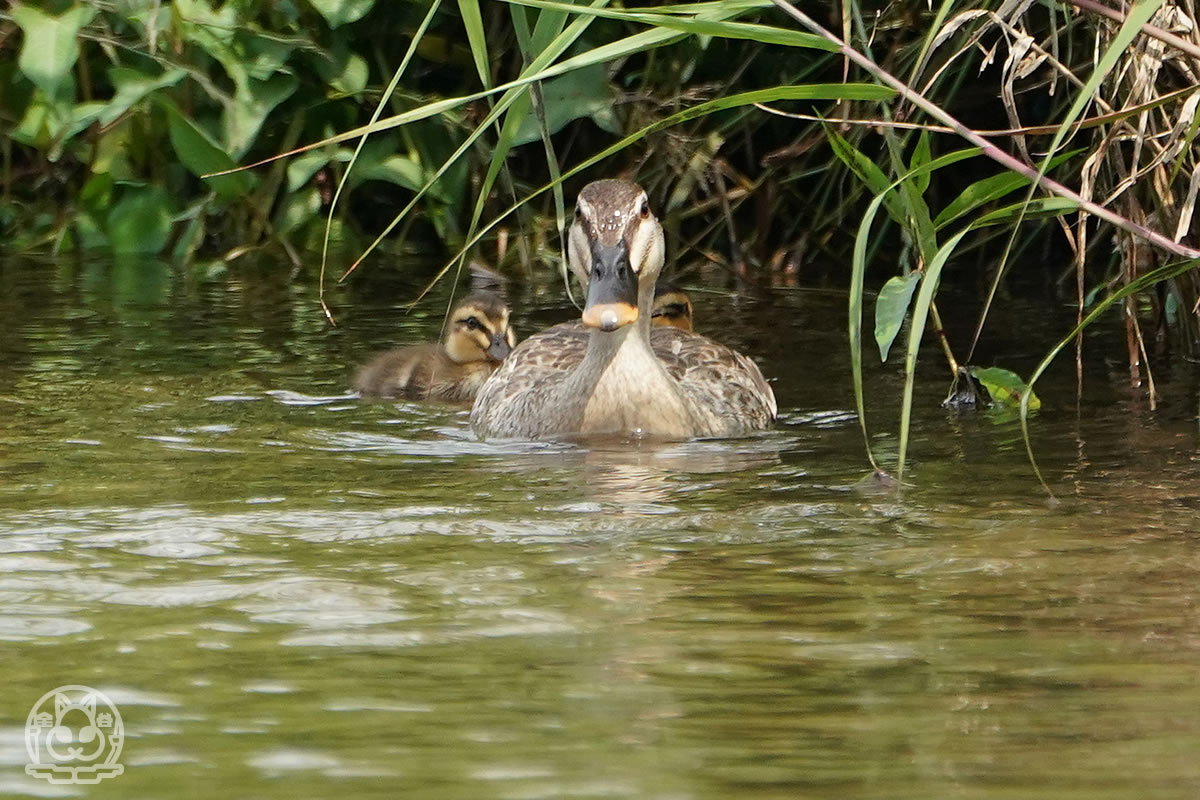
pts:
[479, 326]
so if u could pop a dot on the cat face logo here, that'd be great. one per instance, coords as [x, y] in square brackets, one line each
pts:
[74, 734]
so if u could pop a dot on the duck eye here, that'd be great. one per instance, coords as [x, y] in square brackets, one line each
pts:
[645, 209]
[473, 323]
[578, 212]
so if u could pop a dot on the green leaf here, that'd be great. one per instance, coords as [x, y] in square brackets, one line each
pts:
[339, 12]
[920, 157]
[986, 190]
[698, 25]
[473, 22]
[301, 169]
[396, 169]
[342, 70]
[929, 285]
[51, 45]
[251, 107]
[49, 120]
[1005, 387]
[201, 155]
[1038, 207]
[296, 209]
[131, 87]
[140, 222]
[583, 93]
[891, 307]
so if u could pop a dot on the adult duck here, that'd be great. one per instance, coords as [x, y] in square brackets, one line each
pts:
[613, 374]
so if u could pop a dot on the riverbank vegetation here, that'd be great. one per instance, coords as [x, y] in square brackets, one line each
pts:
[1021, 145]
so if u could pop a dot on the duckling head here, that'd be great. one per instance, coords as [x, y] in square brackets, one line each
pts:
[672, 307]
[615, 247]
[479, 330]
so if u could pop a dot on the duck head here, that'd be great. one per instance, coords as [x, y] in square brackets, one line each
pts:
[672, 307]
[479, 330]
[616, 248]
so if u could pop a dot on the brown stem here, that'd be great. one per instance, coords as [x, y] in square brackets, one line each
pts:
[936, 320]
[986, 148]
[1152, 31]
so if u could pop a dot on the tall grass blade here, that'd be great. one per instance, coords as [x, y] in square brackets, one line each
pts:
[697, 25]
[1140, 284]
[815, 91]
[477, 39]
[383, 100]
[929, 283]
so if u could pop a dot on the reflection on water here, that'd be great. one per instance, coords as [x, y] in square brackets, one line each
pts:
[291, 592]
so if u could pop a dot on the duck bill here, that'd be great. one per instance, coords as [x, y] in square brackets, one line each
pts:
[499, 349]
[612, 298]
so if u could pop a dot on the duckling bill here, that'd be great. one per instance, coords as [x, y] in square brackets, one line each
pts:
[614, 374]
[479, 337]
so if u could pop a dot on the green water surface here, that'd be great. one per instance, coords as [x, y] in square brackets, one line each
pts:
[292, 593]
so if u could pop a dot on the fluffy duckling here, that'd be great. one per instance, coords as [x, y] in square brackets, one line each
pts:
[672, 307]
[477, 340]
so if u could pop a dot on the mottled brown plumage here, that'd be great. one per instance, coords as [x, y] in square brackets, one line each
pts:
[614, 374]
[477, 339]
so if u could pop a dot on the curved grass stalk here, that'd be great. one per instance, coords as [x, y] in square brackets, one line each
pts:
[1163, 273]
[831, 91]
[920, 313]
[387, 94]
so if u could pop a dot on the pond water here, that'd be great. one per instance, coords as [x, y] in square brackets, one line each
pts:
[292, 593]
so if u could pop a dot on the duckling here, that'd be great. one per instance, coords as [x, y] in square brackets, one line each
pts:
[614, 374]
[672, 307]
[478, 339]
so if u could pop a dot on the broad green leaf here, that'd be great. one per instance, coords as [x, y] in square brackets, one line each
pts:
[263, 55]
[296, 209]
[132, 86]
[201, 155]
[583, 93]
[1005, 387]
[50, 45]
[112, 152]
[50, 119]
[339, 12]
[213, 31]
[89, 233]
[891, 307]
[140, 222]
[251, 107]
[396, 169]
[303, 167]
[344, 71]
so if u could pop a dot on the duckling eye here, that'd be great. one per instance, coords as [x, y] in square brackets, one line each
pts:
[578, 212]
[473, 323]
[645, 209]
